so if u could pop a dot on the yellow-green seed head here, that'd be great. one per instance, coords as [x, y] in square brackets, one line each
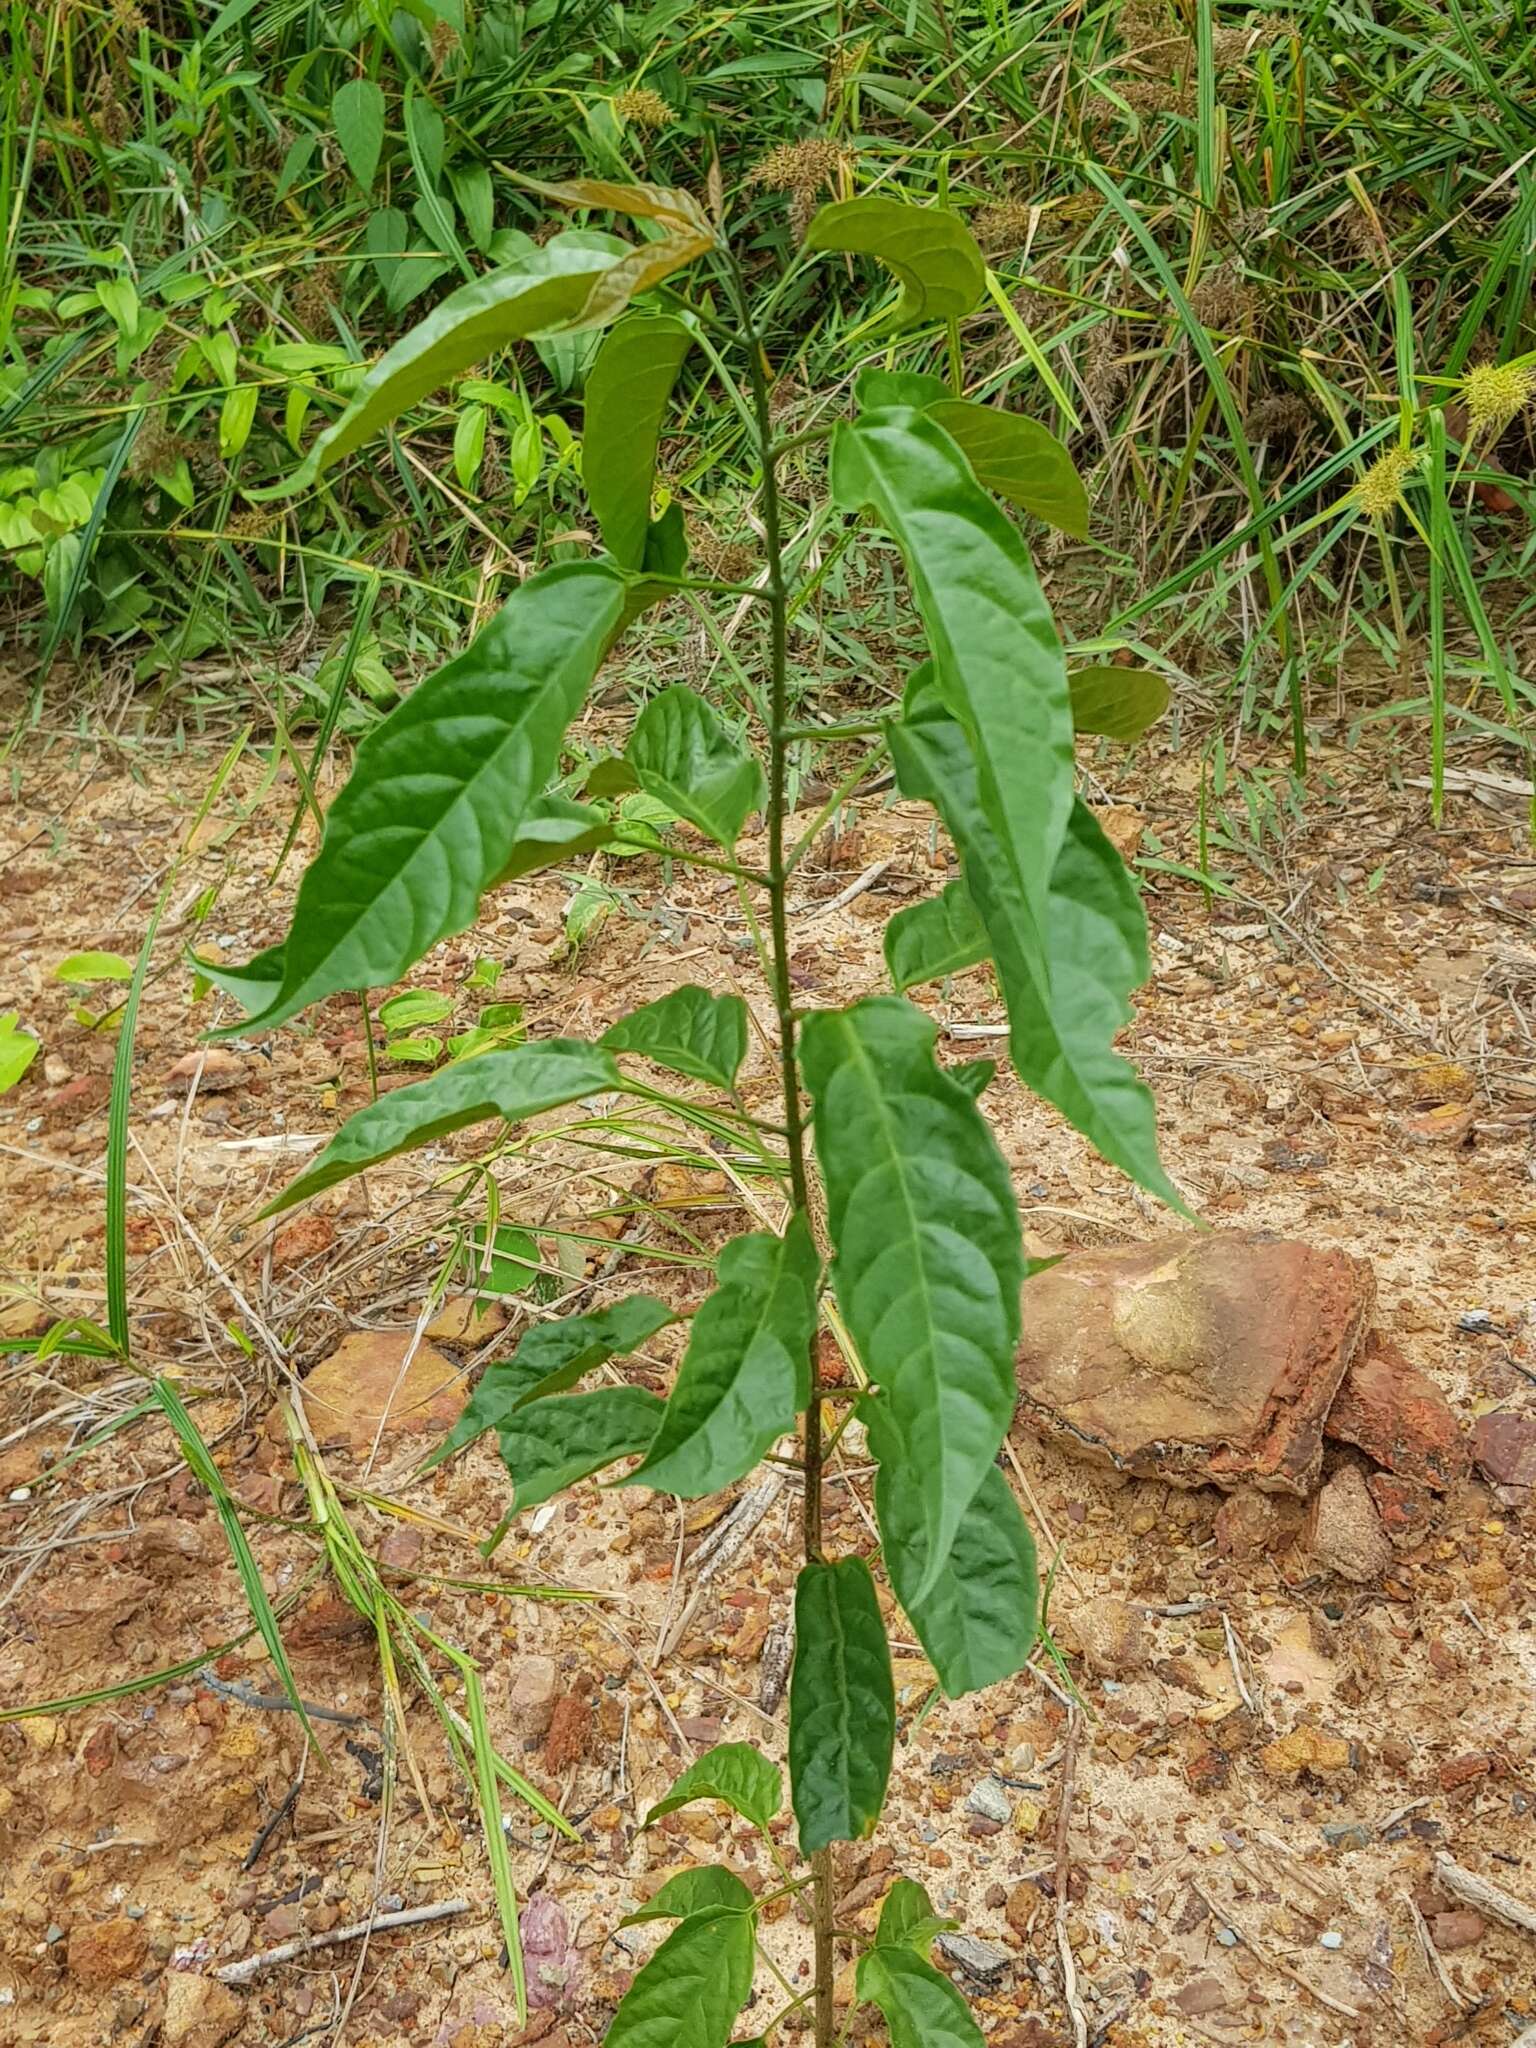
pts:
[1495, 393]
[1380, 491]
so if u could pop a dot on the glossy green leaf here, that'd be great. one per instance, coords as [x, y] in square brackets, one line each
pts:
[81, 969]
[932, 253]
[544, 288]
[976, 1622]
[746, 1373]
[549, 1358]
[476, 195]
[708, 1888]
[874, 388]
[625, 402]
[688, 1032]
[922, 2009]
[681, 752]
[995, 652]
[509, 1265]
[907, 1919]
[689, 1993]
[414, 1007]
[927, 1263]
[357, 115]
[1119, 703]
[1020, 460]
[1062, 1022]
[440, 791]
[842, 1705]
[974, 1076]
[555, 829]
[254, 984]
[516, 1084]
[941, 935]
[553, 1442]
[735, 1773]
[18, 1049]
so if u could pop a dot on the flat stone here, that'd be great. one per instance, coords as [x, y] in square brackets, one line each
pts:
[1344, 1531]
[1457, 1929]
[366, 1391]
[199, 2012]
[1504, 1445]
[1305, 1749]
[1198, 1358]
[1111, 1636]
[983, 1960]
[1201, 1995]
[531, 1697]
[1398, 1417]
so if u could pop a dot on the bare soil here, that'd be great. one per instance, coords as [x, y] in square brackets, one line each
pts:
[1343, 1051]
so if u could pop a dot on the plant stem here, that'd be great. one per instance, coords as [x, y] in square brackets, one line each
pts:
[823, 1909]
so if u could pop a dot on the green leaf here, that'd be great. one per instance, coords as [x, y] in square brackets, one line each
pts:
[688, 1032]
[549, 1358]
[414, 1007]
[996, 656]
[509, 1266]
[625, 401]
[735, 1773]
[709, 1888]
[520, 1083]
[875, 388]
[440, 791]
[842, 1705]
[1020, 460]
[928, 1263]
[18, 1049]
[974, 1076]
[932, 253]
[254, 985]
[689, 1993]
[547, 287]
[941, 935]
[1062, 1021]
[976, 1622]
[681, 752]
[80, 969]
[552, 1443]
[907, 1919]
[554, 829]
[469, 445]
[922, 2008]
[1119, 703]
[357, 115]
[746, 1373]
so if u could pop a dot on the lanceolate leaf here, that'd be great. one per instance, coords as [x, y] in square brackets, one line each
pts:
[995, 651]
[440, 791]
[842, 1705]
[733, 1772]
[549, 1358]
[357, 114]
[668, 205]
[546, 287]
[689, 1032]
[746, 1373]
[977, 1622]
[625, 401]
[922, 2009]
[689, 1993]
[521, 1082]
[928, 1264]
[932, 253]
[939, 936]
[1020, 460]
[694, 1891]
[1063, 1020]
[552, 1443]
[681, 752]
[1119, 703]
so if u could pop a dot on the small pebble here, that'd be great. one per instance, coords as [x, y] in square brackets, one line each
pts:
[990, 1800]
[54, 1935]
[1330, 1940]
[1227, 1938]
[1477, 1322]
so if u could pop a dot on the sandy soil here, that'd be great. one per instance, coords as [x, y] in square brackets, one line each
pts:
[1313, 1039]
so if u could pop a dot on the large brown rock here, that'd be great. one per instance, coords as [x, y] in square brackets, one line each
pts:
[1398, 1417]
[374, 1386]
[1200, 1359]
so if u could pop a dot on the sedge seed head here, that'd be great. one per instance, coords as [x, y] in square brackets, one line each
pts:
[1379, 492]
[641, 106]
[1496, 393]
[804, 166]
